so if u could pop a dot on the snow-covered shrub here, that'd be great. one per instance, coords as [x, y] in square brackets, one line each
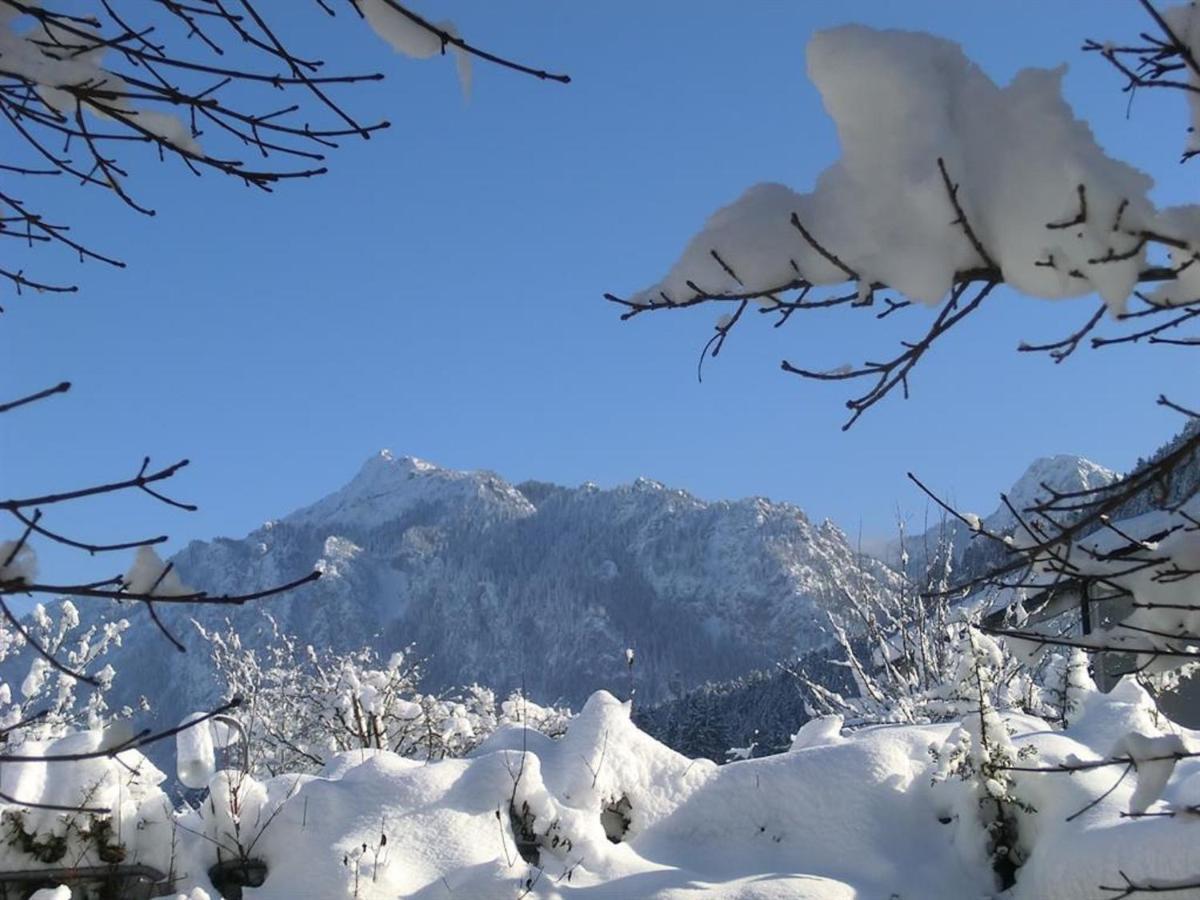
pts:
[1066, 682]
[102, 809]
[980, 753]
[48, 701]
[896, 645]
[99, 808]
[235, 815]
[519, 710]
[905, 650]
[302, 705]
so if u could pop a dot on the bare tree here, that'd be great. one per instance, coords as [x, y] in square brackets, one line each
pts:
[210, 85]
[94, 96]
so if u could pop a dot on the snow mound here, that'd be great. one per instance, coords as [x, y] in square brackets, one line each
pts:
[835, 818]
[817, 732]
[607, 813]
[838, 817]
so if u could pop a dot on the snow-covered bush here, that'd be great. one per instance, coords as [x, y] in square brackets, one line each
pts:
[302, 705]
[50, 701]
[101, 808]
[916, 659]
[226, 827]
[905, 650]
[980, 753]
[898, 647]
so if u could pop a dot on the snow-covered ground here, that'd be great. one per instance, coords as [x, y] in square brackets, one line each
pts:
[862, 814]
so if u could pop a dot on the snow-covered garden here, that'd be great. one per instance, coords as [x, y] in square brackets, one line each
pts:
[919, 810]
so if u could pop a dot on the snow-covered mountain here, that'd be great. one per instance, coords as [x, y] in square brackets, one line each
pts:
[531, 584]
[971, 556]
[1061, 473]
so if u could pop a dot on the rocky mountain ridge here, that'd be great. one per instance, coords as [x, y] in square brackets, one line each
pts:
[532, 585]
[508, 585]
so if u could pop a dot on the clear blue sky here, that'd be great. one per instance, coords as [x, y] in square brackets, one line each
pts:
[439, 292]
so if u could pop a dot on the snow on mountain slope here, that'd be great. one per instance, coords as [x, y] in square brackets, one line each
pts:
[386, 487]
[535, 585]
[1062, 472]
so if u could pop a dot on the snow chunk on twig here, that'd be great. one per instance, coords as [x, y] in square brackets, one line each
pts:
[413, 40]
[195, 753]
[18, 562]
[150, 575]
[1154, 758]
[926, 134]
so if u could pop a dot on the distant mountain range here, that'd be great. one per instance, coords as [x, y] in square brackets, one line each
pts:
[533, 585]
[509, 585]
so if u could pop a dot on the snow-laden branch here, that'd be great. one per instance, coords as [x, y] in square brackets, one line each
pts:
[198, 83]
[946, 180]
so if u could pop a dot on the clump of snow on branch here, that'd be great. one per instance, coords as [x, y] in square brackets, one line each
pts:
[57, 60]
[1184, 21]
[18, 562]
[195, 752]
[1183, 223]
[1025, 167]
[150, 575]
[413, 40]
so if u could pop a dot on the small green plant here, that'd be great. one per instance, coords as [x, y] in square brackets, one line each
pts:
[45, 848]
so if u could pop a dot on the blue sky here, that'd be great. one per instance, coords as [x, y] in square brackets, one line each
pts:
[439, 292]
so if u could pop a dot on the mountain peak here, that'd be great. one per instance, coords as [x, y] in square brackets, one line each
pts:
[642, 483]
[538, 586]
[1061, 472]
[387, 486]
[385, 459]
